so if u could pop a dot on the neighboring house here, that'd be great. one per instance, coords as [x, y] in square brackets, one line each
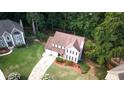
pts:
[66, 45]
[11, 34]
[116, 73]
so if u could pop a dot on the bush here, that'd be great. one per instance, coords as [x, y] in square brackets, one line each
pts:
[47, 77]
[89, 45]
[59, 59]
[84, 67]
[21, 46]
[69, 63]
[41, 36]
[14, 76]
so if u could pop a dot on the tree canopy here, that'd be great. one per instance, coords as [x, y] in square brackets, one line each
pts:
[104, 30]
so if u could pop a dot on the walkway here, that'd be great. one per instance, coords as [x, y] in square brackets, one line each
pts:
[41, 67]
[2, 77]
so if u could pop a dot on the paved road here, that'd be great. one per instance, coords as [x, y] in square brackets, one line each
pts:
[41, 67]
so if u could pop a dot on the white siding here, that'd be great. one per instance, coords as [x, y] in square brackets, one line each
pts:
[18, 38]
[70, 54]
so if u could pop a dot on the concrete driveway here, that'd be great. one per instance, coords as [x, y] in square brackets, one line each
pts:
[41, 67]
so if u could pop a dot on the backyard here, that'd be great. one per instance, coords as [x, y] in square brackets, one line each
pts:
[21, 60]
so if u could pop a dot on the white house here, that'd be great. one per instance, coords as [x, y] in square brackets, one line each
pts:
[11, 34]
[66, 45]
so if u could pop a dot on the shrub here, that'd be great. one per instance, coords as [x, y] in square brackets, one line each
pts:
[14, 76]
[41, 36]
[59, 59]
[47, 77]
[68, 62]
[84, 67]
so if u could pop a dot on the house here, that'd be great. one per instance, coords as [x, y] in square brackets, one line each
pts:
[68, 46]
[116, 73]
[11, 34]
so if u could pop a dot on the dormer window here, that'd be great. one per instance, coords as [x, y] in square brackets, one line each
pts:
[53, 45]
[62, 47]
[59, 46]
[7, 38]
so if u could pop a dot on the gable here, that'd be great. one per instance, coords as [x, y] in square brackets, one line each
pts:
[16, 31]
[72, 49]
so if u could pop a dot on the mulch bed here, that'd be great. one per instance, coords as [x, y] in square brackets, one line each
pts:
[74, 66]
[4, 50]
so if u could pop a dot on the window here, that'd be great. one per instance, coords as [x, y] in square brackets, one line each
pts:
[72, 58]
[66, 56]
[70, 51]
[59, 46]
[67, 50]
[75, 59]
[53, 45]
[73, 52]
[2, 44]
[76, 53]
[62, 47]
[69, 57]
[7, 38]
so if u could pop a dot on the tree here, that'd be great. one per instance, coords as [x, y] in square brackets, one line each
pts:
[106, 37]
[38, 18]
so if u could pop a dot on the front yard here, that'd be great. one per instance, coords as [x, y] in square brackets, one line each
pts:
[86, 70]
[21, 60]
[66, 73]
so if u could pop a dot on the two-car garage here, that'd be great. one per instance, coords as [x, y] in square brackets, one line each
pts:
[50, 52]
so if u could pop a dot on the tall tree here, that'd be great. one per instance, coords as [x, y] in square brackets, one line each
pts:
[106, 36]
[38, 18]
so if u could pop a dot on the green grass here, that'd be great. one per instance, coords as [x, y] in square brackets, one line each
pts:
[21, 60]
[65, 73]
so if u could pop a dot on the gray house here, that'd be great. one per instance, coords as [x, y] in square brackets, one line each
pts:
[11, 34]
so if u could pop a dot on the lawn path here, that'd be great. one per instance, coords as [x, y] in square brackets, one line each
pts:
[41, 67]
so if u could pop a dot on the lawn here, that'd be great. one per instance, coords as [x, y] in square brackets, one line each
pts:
[21, 60]
[66, 73]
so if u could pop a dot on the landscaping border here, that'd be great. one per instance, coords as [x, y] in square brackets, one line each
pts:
[7, 53]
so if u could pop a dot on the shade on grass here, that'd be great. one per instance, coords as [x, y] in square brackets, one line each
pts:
[21, 60]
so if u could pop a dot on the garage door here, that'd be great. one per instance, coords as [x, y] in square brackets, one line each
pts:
[49, 52]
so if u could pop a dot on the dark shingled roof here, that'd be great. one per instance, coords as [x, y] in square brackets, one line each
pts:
[8, 25]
